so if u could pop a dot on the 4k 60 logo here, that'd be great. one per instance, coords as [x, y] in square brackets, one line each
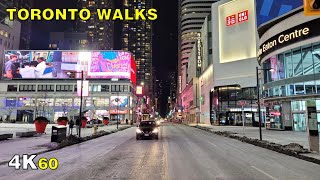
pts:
[28, 161]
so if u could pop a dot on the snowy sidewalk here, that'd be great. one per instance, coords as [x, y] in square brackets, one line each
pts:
[279, 137]
[34, 144]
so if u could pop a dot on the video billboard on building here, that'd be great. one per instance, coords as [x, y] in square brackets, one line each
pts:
[65, 64]
[119, 101]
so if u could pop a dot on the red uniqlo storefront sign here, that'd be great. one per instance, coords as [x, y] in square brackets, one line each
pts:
[243, 16]
[231, 20]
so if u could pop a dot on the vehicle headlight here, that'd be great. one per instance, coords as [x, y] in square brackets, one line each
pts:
[158, 122]
[155, 130]
[138, 131]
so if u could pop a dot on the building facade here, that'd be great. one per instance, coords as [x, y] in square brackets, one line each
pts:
[290, 45]
[68, 41]
[136, 37]
[192, 14]
[55, 90]
[99, 33]
[26, 26]
[234, 62]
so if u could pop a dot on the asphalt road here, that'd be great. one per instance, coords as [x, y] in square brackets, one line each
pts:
[181, 153]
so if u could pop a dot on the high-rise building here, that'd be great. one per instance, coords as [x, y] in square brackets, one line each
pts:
[192, 14]
[136, 37]
[26, 26]
[68, 41]
[100, 33]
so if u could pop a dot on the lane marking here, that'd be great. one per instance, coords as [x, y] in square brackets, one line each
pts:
[271, 177]
[212, 144]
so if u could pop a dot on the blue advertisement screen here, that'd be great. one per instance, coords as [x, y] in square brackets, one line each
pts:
[270, 9]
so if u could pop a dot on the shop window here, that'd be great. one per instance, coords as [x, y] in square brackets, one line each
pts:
[281, 71]
[266, 74]
[12, 88]
[290, 90]
[105, 88]
[318, 87]
[299, 88]
[282, 91]
[307, 61]
[318, 105]
[297, 62]
[288, 66]
[276, 91]
[298, 105]
[310, 87]
[316, 58]
[299, 121]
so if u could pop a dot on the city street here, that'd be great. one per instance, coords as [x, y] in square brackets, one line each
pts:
[181, 152]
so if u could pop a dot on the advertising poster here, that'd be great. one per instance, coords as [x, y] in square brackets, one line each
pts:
[119, 101]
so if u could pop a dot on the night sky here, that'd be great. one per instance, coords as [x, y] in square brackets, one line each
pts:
[165, 38]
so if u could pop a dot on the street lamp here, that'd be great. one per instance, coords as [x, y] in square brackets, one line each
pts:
[80, 99]
[258, 92]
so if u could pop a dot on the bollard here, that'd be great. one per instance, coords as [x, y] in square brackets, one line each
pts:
[95, 128]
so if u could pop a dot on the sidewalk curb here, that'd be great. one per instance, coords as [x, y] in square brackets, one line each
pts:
[262, 144]
[84, 139]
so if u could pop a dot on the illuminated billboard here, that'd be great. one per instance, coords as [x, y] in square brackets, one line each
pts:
[119, 101]
[65, 64]
[139, 90]
[237, 31]
[269, 9]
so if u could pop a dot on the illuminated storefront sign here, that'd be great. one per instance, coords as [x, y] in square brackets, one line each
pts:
[118, 111]
[243, 16]
[199, 55]
[237, 29]
[293, 35]
[231, 20]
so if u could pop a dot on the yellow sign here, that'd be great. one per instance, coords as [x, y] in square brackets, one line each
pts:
[311, 7]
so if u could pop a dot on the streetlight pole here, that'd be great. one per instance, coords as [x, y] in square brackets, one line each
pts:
[118, 110]
[258, 96]
[81, 103]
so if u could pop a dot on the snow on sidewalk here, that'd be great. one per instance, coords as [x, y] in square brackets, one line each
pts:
[33, 145]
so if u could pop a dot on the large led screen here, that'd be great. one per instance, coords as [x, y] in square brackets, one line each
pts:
[237, 31]
[270, 9]
[66, 64]
[119, 101]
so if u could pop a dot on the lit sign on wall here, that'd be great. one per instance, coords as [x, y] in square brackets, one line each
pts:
[231, 20]
[237, 41]
[139, 90]
[199, 61]
[243, 16]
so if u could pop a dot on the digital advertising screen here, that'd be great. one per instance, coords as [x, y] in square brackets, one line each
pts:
[119, 101]
[67, 64]
[270, 9]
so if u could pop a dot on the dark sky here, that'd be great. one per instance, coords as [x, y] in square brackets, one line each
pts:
[165, 28]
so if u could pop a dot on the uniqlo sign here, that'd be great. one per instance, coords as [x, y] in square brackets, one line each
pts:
[243, 16]
[231, 20]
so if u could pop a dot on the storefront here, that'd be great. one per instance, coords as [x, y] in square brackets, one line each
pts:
[232, 101]
[290, 46]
